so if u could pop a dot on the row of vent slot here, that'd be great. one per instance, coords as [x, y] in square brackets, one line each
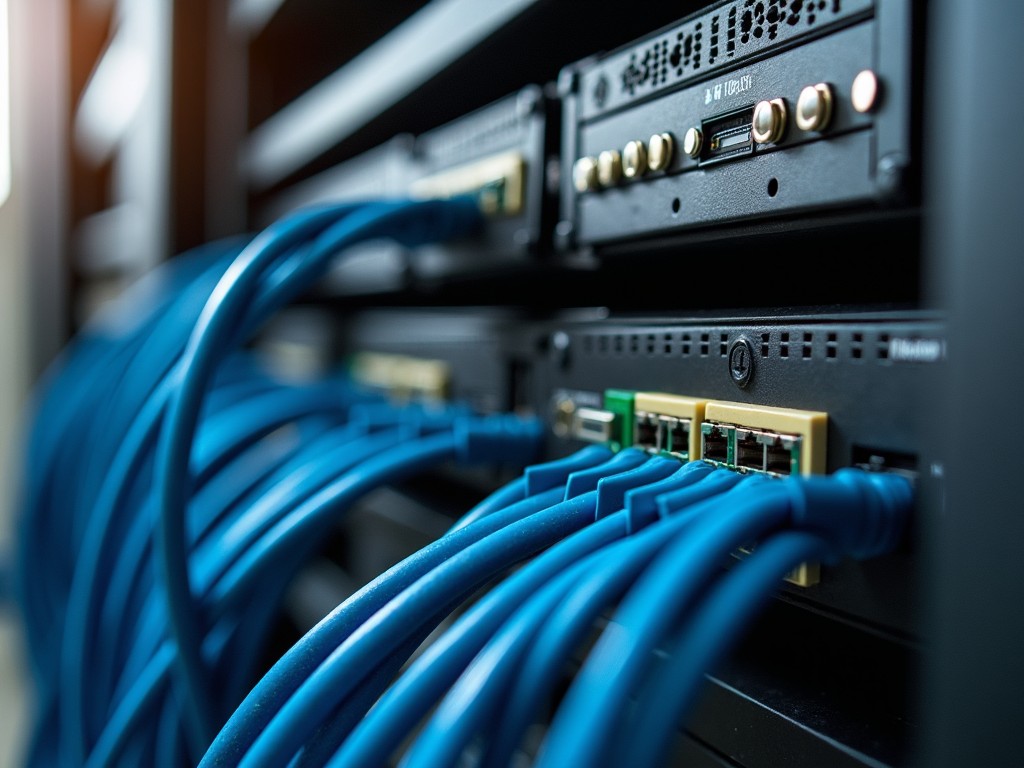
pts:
[745, 23]
[784, 344]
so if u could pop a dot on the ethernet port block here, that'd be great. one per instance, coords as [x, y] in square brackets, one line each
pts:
[685, 415]
[768, 438]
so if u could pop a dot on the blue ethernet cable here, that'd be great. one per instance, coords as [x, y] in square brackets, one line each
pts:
[398, 710]
[515, 650]
[129, 571]
[124, 493]
[428, 221]
[420, 606]
[56, 450]
[295, 666]
[118, 484]
[234, 429]
[229, 544]
[412, 612]
[706, 637]
[533, 480]
[861, 514]
[479, 439]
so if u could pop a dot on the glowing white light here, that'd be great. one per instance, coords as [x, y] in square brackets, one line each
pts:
[112, 97]
[5, 106]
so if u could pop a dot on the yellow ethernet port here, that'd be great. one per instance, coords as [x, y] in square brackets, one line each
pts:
[666, 424]
[498, 180]
[402, 378]
[774, 441]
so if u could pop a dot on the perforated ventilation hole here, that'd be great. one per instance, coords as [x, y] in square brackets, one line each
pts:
[668, 344]
[705, 344]
[719, 37]
[723, 345]
[883, 346]
[684, 348]
[808, 348]
[634, 344]
[784, 344]
[764, 344]
[651, 344]
[831, 346]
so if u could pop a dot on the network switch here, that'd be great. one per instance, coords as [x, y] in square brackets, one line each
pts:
[740, 112]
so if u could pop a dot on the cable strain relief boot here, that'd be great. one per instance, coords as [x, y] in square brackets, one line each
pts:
[499, 438]
[554, 474]
[587, 479]
[861, 514]
[611, 491]
[642, 503]
[440, 220]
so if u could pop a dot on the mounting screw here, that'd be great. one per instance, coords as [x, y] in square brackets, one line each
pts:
[741, 362]
[560, 345]
[891, 174]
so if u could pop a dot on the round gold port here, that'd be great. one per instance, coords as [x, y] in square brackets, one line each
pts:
[659, 151]
[693, 140]
[769, 123]
[584, 174]
[609, 167]
[814, 107]
[634, 159]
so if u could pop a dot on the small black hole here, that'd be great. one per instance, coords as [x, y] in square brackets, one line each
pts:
[676, 205]
[773, 187]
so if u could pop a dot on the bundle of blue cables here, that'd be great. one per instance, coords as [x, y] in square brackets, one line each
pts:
[174, 486]
[599, 530]
[175, 489]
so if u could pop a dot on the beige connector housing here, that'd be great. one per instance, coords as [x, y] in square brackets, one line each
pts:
[810, 426]
[678, 406]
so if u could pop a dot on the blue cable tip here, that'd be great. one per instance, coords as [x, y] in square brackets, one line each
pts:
[862, 514]
[611, 491]
[429, 421]
[440, 220]
[641, 503]
[369, 417]
[498, 438]
[555, 474]
[712, 484]
[587, 479]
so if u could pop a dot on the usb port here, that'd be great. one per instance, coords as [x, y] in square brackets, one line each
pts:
[593, 425]
[728, 136]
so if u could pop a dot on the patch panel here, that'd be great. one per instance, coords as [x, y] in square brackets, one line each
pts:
[770, 135]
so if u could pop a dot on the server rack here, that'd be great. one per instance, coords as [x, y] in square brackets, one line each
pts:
[920, 329]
